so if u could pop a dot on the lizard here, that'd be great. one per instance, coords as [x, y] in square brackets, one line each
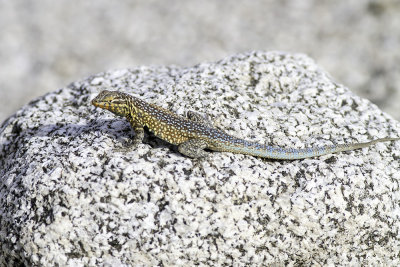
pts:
[195, 133]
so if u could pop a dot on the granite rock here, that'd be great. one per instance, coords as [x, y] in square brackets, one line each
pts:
[70, 197]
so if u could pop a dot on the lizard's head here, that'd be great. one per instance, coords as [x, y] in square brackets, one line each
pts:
[114, 101]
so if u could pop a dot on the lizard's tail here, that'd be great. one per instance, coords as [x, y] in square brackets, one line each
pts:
[292, 154]
[362, 145]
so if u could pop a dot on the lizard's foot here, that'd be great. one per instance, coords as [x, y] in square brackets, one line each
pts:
[193, 148]
[197, 117]
[128, 146]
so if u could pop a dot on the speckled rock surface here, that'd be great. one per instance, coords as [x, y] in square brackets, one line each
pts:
[69, 198]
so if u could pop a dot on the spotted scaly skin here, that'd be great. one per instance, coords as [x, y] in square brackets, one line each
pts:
[194, 133]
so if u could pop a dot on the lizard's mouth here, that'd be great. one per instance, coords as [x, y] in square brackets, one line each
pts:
[98, 104]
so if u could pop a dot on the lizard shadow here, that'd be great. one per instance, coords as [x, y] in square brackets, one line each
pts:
[65, 132]
[118, 130]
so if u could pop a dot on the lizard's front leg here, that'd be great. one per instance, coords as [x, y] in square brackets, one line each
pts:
[138, 139]
[193, 148]
[139, 133]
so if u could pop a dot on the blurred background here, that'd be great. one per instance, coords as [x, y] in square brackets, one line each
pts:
[46, 44]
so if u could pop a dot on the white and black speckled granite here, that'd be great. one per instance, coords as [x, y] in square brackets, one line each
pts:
[67, 198]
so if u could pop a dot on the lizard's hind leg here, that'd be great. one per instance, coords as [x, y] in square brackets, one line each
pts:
[193, 148]
[197, 117]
